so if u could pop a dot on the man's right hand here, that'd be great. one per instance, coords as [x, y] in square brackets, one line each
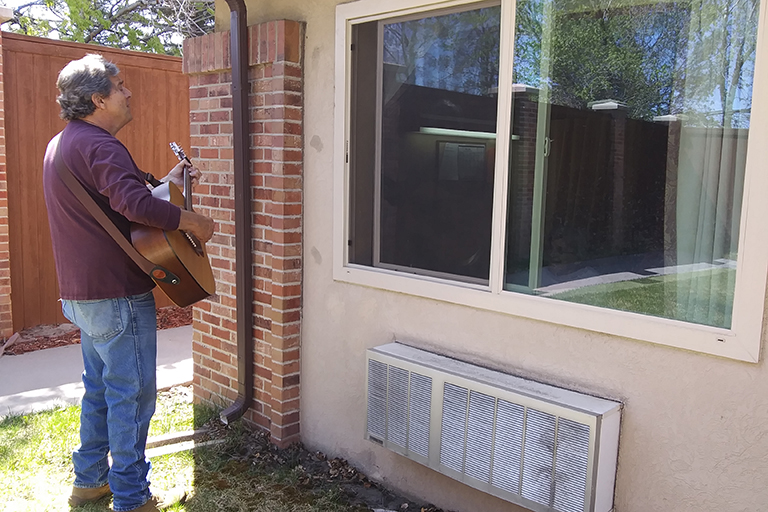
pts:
[199, 225]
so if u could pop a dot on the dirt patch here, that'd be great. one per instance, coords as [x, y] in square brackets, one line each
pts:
[50, 336]
[312, 471]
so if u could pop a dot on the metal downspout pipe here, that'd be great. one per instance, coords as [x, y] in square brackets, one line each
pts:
[243, 247]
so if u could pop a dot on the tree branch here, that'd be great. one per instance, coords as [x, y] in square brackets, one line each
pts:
[125, 10]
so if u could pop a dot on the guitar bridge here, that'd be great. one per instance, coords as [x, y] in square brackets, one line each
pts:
[194, 242]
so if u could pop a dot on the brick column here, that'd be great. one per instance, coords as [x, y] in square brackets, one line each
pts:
[275, 74]
[6, 320]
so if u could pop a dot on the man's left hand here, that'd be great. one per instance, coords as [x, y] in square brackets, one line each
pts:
[176, 175]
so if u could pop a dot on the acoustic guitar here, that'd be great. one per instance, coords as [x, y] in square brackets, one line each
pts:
[178, 253]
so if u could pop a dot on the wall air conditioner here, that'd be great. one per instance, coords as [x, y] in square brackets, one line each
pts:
[544, 448]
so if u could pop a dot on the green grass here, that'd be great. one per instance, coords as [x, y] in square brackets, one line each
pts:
[174, 412]
[35, 454]
[704, 297]
[239, 475]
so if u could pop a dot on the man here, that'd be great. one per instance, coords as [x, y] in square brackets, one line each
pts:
[103, 291]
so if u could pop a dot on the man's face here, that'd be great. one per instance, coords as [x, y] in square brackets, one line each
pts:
[117, 104]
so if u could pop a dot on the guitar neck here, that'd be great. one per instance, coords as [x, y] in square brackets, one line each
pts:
[187, 178]
[187, 189]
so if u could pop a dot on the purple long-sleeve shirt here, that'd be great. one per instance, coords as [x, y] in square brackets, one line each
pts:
[89, 263]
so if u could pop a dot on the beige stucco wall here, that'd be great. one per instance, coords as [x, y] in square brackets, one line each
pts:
[695, 428]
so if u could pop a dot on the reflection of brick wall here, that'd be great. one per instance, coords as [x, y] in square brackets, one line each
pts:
[523, 161]
[276, 137]
[6, 321]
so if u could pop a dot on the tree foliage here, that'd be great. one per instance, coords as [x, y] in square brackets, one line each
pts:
[692, 58]
[157, 26]
[457, 51]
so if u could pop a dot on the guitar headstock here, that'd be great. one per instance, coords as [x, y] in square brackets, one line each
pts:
[178, 151]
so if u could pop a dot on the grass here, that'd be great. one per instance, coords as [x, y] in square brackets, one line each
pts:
[704, 297]
[242, 474]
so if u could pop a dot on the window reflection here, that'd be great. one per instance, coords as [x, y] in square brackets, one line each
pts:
[437, 139]
[626, 169]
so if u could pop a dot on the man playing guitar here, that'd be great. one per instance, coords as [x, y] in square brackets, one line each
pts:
[103, 291]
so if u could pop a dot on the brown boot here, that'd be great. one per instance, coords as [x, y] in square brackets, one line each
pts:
[81, 495]
[163, 501]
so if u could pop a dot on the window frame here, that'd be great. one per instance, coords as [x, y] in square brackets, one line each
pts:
[742, 341]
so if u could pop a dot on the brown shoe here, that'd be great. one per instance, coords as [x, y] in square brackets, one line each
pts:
[163, 501]
[82, 495]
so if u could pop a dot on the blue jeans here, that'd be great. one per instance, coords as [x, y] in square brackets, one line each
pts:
[119, 345]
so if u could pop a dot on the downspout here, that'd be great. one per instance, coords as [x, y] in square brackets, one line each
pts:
[238, 44]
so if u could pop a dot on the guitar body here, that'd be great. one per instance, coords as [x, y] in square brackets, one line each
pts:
[173, 251]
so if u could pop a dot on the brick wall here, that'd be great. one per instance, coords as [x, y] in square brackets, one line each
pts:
[6, 320]
[275, 74]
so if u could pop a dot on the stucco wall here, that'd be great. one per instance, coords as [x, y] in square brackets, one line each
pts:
[695, 428]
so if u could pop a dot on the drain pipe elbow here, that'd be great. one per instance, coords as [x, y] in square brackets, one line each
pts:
[243, 256]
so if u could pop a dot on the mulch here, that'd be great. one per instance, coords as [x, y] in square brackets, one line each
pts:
[314, 470]
[44, 337]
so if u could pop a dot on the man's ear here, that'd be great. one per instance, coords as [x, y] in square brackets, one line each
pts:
[97, 99]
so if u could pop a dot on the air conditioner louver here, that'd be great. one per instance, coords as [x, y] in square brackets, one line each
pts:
[542, 447]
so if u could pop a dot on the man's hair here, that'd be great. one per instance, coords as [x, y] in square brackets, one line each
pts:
[79, 80]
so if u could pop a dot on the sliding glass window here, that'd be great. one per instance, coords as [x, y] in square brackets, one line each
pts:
[624, 155]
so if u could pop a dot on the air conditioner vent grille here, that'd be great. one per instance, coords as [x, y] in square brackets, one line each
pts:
[454, 427]
[508, 443]
[538, 457]
[480, 436]
[399, 407]
[420, 412]
[571, 464]
[377, 399]
[397, 418]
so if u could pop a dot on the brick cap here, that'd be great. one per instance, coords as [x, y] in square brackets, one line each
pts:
[6, 13]
[268, 42]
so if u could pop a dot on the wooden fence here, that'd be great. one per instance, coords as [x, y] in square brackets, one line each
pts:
[160, 107]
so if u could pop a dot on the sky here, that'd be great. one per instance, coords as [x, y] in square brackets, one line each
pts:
[13, 3]
[16, 3]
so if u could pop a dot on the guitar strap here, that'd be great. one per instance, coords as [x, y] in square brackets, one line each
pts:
[87, 201]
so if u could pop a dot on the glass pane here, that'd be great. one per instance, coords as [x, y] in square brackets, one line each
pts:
[627, 158]
[437, 141]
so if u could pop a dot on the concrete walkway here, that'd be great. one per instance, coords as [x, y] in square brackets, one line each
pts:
[46, 378]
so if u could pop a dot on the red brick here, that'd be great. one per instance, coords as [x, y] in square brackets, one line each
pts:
[263, 372]
[285, 394]
[285, 381]
[221, 379]
[220, 116]
[292, 41]
[272, 40]
[284, 435]
[263, 44]
[290, 263]
[221, 356]
[283, 369]
[286, 330]
[286, 317]
[253, 44]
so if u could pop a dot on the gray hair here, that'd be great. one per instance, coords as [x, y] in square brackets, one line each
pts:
[79, 80]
